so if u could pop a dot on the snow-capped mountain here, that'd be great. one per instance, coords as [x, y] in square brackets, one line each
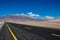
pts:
[17, 18]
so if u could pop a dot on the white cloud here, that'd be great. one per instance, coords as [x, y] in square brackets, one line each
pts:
[23, 14]
[30, 14]
[16, 14]
[48, 18]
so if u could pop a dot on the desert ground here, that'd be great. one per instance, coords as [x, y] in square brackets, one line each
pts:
[48, 24]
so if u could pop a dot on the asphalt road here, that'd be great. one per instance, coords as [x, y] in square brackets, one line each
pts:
[12, 31]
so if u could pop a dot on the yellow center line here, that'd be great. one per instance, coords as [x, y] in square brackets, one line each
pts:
[57, 35]
[15, 38]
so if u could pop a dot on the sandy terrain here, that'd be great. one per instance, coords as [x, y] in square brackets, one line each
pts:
[56, 21]
[48, 24]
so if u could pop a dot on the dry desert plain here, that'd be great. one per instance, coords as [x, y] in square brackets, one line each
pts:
[49, 24]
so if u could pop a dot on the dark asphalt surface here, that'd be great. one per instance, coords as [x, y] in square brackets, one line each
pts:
[26, 32]
[5, 34]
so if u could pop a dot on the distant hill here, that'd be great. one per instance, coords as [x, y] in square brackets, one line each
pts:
[22, 18]
[17, 18]
[56, 20]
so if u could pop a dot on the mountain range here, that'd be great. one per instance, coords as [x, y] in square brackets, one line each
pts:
[17, 18]
[20, 18]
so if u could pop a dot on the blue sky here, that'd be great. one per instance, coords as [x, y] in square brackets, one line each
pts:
[41, 7]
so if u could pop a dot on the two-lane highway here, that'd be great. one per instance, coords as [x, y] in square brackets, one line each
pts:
[12, 31]
[23, 34]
